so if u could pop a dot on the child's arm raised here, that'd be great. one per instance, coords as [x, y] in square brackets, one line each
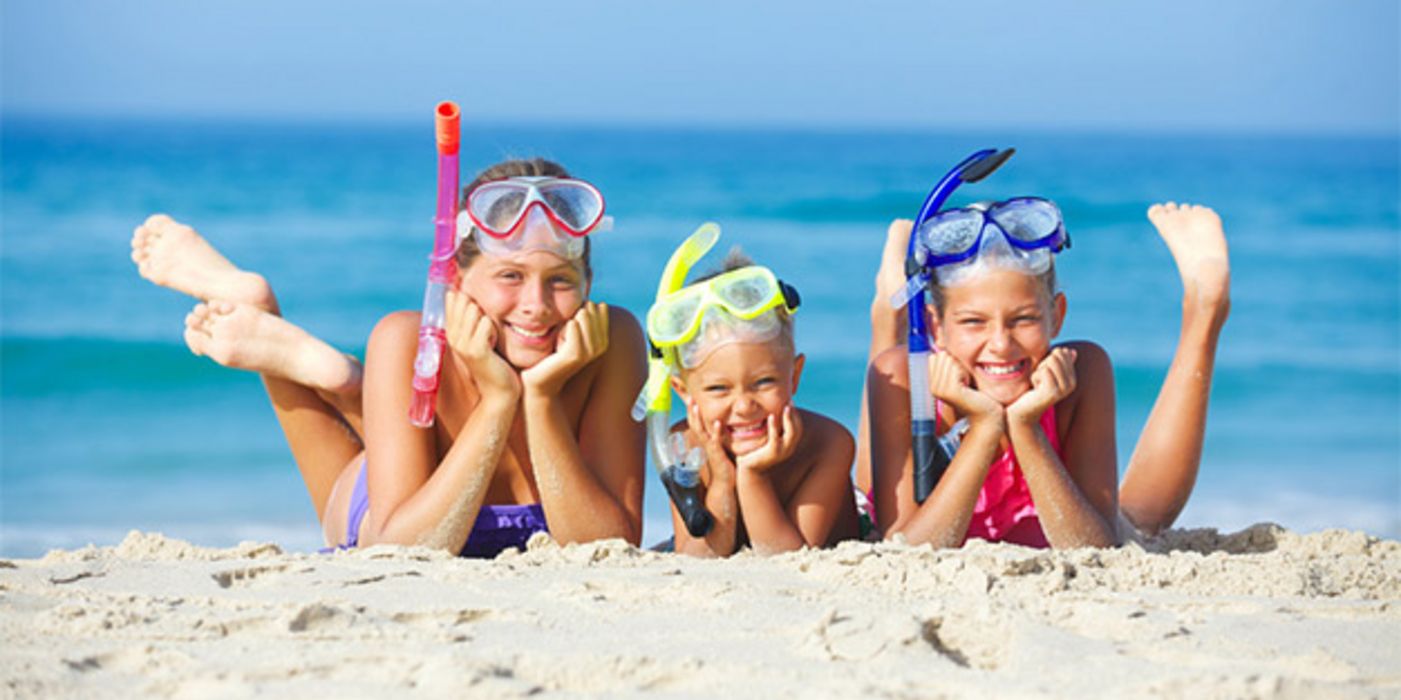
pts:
[721, 500]
[1075, 500]
[590, 483]
[414, 499]
[813, 509]
[942, 520]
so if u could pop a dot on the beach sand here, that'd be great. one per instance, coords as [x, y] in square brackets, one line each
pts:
[1260, 613]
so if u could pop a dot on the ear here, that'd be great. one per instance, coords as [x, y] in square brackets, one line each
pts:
[798, 362]
[1057, 313]
[932, 320]
[679, 385]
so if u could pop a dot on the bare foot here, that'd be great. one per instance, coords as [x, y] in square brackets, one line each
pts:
[175, 256]
[246, 337]
[1194, 235]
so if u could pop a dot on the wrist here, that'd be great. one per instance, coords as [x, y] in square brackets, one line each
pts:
[539, 391]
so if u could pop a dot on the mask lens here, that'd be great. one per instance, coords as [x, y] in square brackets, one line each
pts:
[498, 206]
[747, 293]
[578, 206]
[952, 232]
[671, 322]
[1027, 220]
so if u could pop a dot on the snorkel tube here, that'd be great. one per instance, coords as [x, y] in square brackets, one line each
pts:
[441, 271]
[678, 466]
[931, 457]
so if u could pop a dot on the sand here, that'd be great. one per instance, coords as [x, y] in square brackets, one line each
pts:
[1195, 614]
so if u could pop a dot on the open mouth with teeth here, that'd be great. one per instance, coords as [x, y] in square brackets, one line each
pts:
[748, 431]
[533, 337]
[1004, 370]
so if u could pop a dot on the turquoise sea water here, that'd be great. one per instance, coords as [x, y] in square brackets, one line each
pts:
[107, 423]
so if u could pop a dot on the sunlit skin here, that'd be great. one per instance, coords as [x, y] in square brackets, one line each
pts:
[999, 326]
[531, 401]
[776, 477]
[529, 296]
[744, 388]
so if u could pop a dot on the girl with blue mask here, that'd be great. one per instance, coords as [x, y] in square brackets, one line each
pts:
[1026, 423]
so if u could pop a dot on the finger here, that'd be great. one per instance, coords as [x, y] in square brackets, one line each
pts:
[603, 325]
[792, 424]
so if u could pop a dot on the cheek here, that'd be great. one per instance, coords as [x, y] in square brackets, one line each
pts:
[493, 299]
[568, 301]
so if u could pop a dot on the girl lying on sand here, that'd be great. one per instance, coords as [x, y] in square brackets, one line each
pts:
[533, 432]
[1037, 463]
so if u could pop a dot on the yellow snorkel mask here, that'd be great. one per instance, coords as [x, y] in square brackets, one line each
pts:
[683, 325]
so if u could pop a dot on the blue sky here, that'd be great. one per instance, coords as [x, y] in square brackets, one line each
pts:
[1184, 65]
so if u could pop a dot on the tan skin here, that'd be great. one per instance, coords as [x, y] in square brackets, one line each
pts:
[998, 368]
[1165, 461]
[532, 365]
[776, 477]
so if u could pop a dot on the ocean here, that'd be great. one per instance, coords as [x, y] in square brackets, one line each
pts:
[108, 424]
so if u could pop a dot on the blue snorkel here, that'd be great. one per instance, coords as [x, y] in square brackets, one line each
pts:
[931, 457]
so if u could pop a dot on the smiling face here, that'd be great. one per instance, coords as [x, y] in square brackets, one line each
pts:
[999, 326]
[741, 385]
[530, 295]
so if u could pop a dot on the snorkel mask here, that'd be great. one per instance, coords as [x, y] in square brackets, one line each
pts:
[684, 326]
[1019, 234]
[1024, 230]
[533, 213]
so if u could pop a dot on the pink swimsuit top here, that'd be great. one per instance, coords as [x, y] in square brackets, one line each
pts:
[1004, 512]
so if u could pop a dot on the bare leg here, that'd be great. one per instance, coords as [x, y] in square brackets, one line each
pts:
[887, 330]
[314, 390]
[1164, 465]
[313, 387]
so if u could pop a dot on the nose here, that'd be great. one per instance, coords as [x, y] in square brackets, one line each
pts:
[744, 404]
[999, 338]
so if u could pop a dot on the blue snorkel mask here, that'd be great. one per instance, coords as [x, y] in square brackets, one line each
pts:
[932, 455]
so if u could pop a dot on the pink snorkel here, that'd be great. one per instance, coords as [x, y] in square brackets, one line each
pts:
[441, 271]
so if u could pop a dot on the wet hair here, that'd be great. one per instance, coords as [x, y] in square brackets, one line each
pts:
[1046, 280]
[737, 259]
[467, 249]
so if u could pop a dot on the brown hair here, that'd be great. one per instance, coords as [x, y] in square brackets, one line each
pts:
[467, 249]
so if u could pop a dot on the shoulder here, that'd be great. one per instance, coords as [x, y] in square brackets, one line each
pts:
[627, 349]
[396, 325]
[623, 327]
[823, 436]
[1091, 360]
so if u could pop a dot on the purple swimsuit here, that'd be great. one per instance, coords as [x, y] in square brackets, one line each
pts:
[497, 529]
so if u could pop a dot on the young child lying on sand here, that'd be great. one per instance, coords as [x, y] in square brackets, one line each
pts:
[775, 477]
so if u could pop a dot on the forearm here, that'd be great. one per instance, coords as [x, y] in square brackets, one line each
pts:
[577, 506]
[766, 522]
[720, 541]
[942, 520]
[442, 512]
[1067, 516]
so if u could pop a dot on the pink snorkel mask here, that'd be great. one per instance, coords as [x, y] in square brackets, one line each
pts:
[519, 214]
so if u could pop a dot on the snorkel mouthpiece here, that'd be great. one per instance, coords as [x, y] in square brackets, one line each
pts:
[677, 466]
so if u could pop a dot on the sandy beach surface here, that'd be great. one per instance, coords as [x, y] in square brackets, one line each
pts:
[1196, 614]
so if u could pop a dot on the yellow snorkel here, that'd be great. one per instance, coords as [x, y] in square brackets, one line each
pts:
[678, 466]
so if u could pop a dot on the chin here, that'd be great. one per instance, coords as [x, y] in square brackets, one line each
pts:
[524, 358]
